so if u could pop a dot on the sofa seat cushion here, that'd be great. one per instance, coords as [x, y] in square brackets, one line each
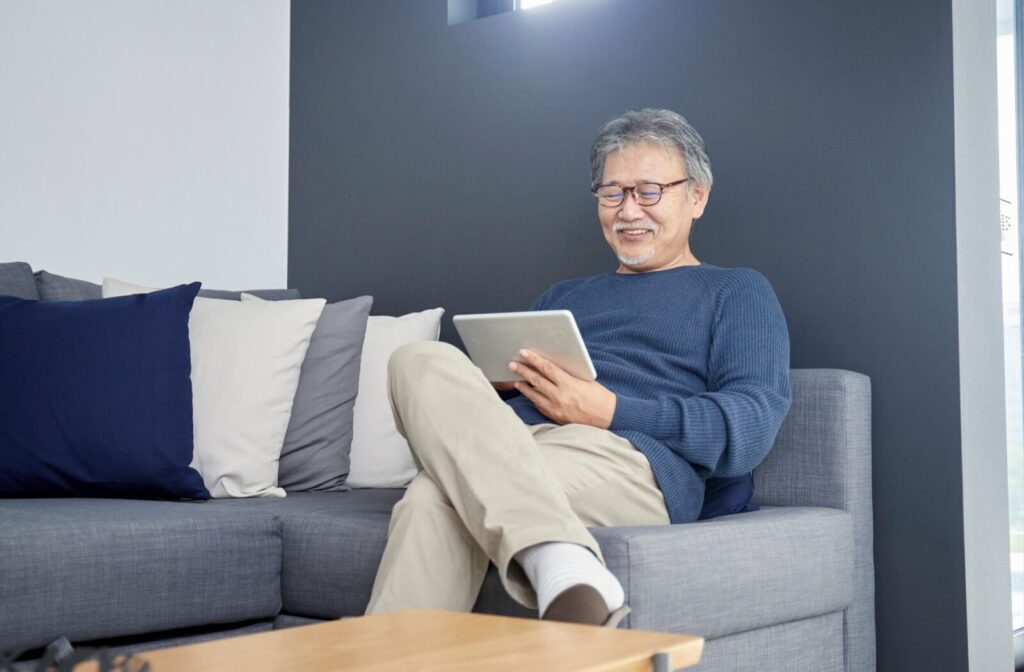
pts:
[333, 542]
[94, 568]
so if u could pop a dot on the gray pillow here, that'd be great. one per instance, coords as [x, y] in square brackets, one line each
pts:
[16, 280]
[319, 438]
[267, 294]
[53, 287]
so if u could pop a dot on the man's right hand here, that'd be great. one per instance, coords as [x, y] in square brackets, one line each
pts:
[504, 387]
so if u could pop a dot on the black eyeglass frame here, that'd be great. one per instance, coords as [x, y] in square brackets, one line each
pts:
[627, 190]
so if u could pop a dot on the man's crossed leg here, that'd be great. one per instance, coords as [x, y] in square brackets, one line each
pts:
[493, 489]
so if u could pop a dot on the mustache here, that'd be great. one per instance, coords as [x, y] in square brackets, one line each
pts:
[620, 226]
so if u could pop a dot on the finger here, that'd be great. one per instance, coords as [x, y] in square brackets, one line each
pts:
[534, 395]
[532, 376]
[547, 368]
[524, 371]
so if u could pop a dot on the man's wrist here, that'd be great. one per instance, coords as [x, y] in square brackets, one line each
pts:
[609, 414]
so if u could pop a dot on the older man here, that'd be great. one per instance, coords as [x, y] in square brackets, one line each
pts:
[692, 383]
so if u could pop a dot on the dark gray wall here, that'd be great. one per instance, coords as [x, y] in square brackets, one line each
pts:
[448, 166]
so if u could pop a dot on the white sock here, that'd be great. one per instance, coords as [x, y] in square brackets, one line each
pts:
[554, 566]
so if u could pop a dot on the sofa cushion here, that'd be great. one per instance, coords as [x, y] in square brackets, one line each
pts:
[242, 387]
[16, 280]
[97, 400]
[333, 542]
[315, 456]
[94, 568]
[53, 287]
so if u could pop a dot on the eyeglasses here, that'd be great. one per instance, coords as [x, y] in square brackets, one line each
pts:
[647, 193]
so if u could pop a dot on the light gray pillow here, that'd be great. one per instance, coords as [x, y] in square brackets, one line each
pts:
[16, 280]
[53, 287]
[316, 449]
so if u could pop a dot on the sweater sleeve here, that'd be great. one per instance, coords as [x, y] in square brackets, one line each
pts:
[728, 430]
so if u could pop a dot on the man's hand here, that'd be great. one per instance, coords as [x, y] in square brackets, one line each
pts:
[560, 395]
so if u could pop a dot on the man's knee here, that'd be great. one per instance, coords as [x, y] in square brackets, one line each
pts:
[420, 356]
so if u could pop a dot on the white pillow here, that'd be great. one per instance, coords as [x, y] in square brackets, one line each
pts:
[380, 456]
[245, 369]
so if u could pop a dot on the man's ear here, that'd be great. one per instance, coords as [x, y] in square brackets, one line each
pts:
[699, 197]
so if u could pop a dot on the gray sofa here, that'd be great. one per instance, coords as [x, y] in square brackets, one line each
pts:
[789, 587]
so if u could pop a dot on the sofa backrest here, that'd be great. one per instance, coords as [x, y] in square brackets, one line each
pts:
[822, 455]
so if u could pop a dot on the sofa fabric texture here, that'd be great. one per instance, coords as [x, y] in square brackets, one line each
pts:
[95, 568]
[53, 287]
[809, 645]
[97, 398]
[16, 280]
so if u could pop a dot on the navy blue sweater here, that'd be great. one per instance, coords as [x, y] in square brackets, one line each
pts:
[698, 358]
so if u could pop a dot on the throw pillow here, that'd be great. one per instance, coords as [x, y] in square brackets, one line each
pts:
[53, 287]
[265, 294]
[724, 496]
[245, 369]
[96, 400]
[16, 280]
[319, 437]
[380, 456]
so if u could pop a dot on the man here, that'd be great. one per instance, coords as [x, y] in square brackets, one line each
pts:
[693, 383]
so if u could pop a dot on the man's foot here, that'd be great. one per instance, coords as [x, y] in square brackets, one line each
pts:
[572, 575]
[582, 603]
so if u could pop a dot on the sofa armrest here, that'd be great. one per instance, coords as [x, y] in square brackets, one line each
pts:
[734, 573]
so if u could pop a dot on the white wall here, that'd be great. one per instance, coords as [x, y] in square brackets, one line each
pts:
[146, 139]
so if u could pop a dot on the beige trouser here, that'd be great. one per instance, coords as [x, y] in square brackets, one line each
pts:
[490, 486]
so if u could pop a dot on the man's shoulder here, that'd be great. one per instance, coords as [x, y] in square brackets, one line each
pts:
[735, 279]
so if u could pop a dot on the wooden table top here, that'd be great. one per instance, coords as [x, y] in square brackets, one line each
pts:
[424, 640]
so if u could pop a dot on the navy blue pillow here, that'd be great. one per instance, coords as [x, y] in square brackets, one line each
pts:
[95, 397]
[727, 495]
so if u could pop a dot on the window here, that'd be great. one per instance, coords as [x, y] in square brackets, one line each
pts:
[461, 11]
[1008, 43]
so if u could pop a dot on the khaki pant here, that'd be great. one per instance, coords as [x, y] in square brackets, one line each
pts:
[490, 486]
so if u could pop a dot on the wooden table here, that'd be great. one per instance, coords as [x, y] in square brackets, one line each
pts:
[424, 640]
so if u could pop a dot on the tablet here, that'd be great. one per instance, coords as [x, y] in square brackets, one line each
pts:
[495, 339]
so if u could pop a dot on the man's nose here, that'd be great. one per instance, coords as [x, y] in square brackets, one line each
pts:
[631, 210]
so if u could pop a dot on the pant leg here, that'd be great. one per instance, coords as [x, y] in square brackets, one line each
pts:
[481, 456]
[607, 480]
[431, 561]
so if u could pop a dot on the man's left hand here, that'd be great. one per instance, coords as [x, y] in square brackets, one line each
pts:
[560, 395]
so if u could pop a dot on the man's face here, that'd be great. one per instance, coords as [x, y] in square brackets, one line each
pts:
[654, 237]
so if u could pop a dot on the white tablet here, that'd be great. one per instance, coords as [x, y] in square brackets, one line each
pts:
[495, 339]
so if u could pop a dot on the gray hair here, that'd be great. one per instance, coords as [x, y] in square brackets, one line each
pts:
[661, 127]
